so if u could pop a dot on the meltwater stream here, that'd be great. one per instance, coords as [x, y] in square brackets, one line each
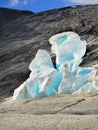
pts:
[67, 78]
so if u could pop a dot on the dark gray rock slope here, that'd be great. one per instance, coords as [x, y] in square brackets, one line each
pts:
[23, 33]
[7, 15]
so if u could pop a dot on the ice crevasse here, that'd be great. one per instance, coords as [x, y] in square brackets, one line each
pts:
[67, 77]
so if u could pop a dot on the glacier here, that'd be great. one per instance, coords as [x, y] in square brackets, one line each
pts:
[67, 77]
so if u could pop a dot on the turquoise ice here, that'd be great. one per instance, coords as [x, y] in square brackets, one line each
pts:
[43, 81]
[60, 40]
[67, 78]
[71, 50]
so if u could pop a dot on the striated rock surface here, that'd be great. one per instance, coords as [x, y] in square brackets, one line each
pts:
[78, 112]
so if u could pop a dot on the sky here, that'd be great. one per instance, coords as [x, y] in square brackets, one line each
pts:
[42, 5]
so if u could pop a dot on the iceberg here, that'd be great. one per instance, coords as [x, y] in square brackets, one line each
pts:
[67, 78]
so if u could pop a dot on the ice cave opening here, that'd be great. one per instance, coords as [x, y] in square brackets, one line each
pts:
[67, 78]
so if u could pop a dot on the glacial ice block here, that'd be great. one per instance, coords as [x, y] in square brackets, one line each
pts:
[87, 88]
[42, 59]
[67, 78]
[44, 84]
[78, 82]
[43, 81]
[68, 48]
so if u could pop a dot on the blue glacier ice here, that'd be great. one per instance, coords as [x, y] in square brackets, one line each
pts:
[43, 81]
[72, 82]
[67, 78]
[70, 50]
[42, 59]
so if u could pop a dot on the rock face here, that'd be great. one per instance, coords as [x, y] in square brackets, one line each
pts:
[56, 113]
[7, 15]
[26, 32]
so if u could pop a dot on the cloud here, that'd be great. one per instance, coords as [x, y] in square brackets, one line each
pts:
[14, 2]
[84, 1]
[18, 2]
[25, 2]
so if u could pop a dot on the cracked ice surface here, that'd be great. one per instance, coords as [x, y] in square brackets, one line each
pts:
[67, 78]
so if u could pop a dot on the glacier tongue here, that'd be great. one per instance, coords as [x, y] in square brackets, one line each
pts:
[67, 77]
